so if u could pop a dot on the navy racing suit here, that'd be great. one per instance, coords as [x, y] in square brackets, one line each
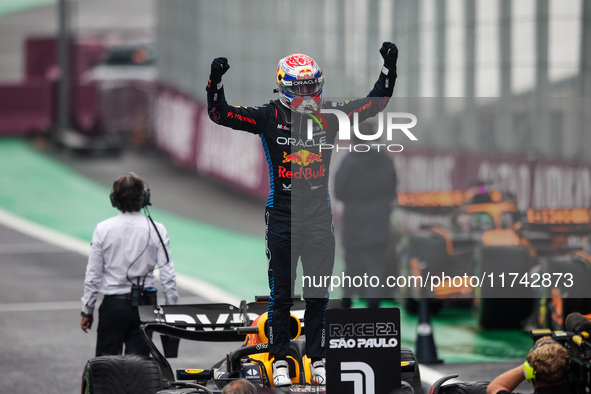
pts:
[298, 213]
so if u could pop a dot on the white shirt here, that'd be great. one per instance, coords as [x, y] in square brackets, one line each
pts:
[127, 246]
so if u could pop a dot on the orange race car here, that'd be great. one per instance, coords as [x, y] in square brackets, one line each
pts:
[564, 264]
[459, 262]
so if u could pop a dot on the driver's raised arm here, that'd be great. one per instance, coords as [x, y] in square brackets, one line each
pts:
[240, 118]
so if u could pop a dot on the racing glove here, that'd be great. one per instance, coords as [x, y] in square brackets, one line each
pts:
[219, 66]
[389, 52]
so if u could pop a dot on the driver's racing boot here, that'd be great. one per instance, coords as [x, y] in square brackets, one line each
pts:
[281, 373]
[318, 372]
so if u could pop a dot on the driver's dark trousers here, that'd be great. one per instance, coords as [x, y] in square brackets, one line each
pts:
[288, 238]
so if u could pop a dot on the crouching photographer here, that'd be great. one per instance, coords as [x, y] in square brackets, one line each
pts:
[546, 367]
[558, 363]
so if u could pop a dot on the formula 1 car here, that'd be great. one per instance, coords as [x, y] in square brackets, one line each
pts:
[246, 324]
[481, 238]
[564, 267]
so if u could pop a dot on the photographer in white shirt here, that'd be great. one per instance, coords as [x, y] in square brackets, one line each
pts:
[125, 250]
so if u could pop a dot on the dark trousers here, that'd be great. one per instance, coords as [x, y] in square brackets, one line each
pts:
[370, 260]
[290, 237]
[119, 324]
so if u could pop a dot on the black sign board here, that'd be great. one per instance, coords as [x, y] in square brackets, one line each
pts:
[362, 351]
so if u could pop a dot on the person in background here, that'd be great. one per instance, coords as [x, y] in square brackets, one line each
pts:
[366, 183]
[124, 252]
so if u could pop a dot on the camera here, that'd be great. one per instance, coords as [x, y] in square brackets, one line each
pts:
[578, 345]
[141, 295]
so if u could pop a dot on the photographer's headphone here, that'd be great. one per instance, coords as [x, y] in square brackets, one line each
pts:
[145, 199]
[529, 372]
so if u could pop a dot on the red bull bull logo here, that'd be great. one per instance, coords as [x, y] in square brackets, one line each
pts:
[302, 157]
[305, 73]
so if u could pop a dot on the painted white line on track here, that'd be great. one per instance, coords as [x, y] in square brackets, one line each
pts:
[43, 233]
[201, 288]
[29, 247]
[206, 290]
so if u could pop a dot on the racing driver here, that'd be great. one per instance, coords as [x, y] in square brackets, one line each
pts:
[298, 214]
